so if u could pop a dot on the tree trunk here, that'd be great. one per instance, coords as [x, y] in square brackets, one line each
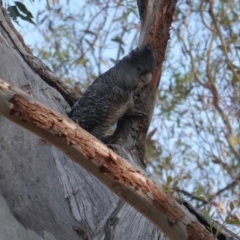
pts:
[36, 179]
[44, 195]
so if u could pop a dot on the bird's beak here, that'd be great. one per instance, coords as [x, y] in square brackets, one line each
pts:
[146, 78]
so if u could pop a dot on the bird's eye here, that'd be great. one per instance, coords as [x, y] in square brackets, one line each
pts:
[139, 69]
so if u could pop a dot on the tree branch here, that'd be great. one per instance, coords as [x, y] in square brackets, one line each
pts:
[224, 46]
[156, 17]
[36, 64]
[125, 180]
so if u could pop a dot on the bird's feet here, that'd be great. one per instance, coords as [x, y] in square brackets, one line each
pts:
[135, 113]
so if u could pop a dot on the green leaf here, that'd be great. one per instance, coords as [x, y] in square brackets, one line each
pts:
[169, 179]
[88, 32]
[23, 9]
[118, 39]
[15, 11]
[202, 198]
[232, 205]
[199, 191]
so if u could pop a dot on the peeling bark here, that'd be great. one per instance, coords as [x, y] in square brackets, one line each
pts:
[52, 196]
[45, 191]
[122, 178]
[156, 21]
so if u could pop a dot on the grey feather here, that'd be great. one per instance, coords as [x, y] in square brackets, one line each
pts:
[111, 94]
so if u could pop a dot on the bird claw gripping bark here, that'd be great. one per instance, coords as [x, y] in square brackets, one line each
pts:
[111, 94]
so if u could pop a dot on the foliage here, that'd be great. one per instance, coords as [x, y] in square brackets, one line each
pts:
[194, 140]
[19, 10]
[80, 43]
[199, 103]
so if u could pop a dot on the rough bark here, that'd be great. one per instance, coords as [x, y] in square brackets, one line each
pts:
[44, 194]
[118, 175]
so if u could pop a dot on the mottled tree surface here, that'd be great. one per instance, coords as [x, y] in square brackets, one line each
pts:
[44, 195]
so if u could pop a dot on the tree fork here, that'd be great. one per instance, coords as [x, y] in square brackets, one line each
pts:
[117, 174]
[120, 176]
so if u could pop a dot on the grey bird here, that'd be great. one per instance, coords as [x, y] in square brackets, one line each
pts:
[111, 95]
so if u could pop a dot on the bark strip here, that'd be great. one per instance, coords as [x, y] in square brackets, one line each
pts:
[125, 180]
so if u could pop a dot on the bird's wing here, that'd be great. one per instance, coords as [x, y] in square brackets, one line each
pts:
[91, 109]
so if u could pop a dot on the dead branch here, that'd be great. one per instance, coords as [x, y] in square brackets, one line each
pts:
[125, 180]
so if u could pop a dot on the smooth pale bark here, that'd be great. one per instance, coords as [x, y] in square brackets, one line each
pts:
[118, 175]
[44, 194]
